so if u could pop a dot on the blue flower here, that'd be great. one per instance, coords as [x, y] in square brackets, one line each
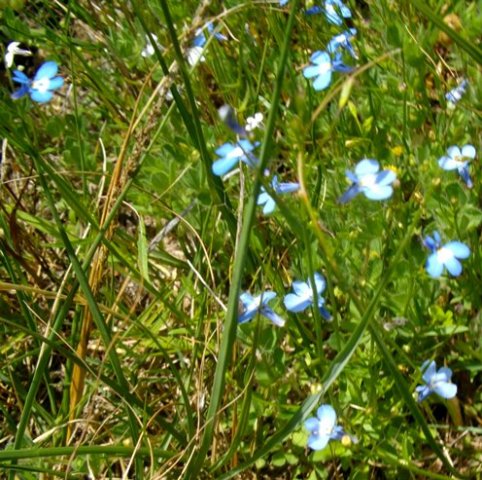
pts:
[323, 428]
[368, 180]
[335, 11]
[304, 296]
[342, 41]
[42, 86]
[456, 94]
[322, 68]
[259, 304]
[232, 153]
[444, 256]
[200, 38]
[458, 159]
[265, 198]
[227, 115]
[436, 382]
[282, 3]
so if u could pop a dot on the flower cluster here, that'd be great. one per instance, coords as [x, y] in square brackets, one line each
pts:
[294, 302]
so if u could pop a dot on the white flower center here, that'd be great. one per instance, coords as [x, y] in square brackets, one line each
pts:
[41, 85]
[444, 254]
[235, 153]
[368, 181]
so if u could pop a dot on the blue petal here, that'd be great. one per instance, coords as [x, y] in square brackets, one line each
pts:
[366, 166]
[20, 77]
[429, 369]
[453, 266]
[448, 163]
[433, 266]
[468, 151]
[320, 283]
[445, 389]
[320, 57]
[464, 173]
[311, 71]
[41, 97]
[386, 177]
[23, 90]
[327, 416]
[270, 315]
[351, 193]
[423, 392]
[224, 149]
[48, 69]
[445, 373]
[56, 83]
[269, 206]
[267, 297]
[454, 151]
[318, 442]
[302, 288]
[324, 312]
[287, 187]
[296, 304]
[459, 249]
[322, 81]
[224, 165]
[312, 424]
[313, 10]
[378, 192]
[246, 298]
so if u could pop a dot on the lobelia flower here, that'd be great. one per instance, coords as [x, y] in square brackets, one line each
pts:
[323, 67]
[436, 381]
[304, 296]
[454, 95]
[342, 41]
[264, 198]
[444, 256]
[42, 86]
[232, 153]
[227, 115]
[368, 180]
[13, 48]
[336, 11]
[259, 304]
[200, 38]
[323, 428]
[458, 159]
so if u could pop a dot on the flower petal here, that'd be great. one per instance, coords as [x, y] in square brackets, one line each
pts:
[468, 151]
[377, 192]
[311, 71]
[445, 389]
[366, 166]
[459, 249]
[224, 165]
[327, 416]
[302, 289]
[448, 163]
[271, 315]
[48, 69]
[433, 266]
[56, 83]
[296, 304]
[311, 424]
[454, 151]
[386, 177]
[322, 81]
[428, 368]
[320, 283]
[41, 97]
[453, 266]
[351, 193]
[318, 442]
